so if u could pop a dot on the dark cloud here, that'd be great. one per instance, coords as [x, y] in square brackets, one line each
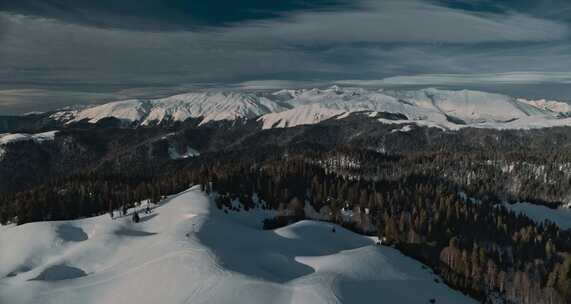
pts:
[3, 27]
[559, 9]
[164, 14]
[58, 52]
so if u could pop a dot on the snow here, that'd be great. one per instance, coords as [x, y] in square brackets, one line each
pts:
[474, 106]
[423, 123]
[449, 109]
[548, 105]
[210, 106]
[188, 251]
[426, 107]
[128, 110]
[561, 216]
[8, 138]
[189, 152]
[301, 115]
[406, 128]
[529, 122]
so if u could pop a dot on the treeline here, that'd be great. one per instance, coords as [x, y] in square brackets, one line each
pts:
[537, 177]
[85, 195]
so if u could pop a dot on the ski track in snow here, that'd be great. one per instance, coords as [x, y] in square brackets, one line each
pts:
[188, 251]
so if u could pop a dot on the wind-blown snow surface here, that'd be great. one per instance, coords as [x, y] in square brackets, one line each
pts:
[286, 108]
[187, 251]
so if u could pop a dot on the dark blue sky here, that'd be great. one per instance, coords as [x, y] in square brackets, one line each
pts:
[59, 52]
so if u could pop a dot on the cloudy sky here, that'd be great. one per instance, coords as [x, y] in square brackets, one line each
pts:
[59, 52]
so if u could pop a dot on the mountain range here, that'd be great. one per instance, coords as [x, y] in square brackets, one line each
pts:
[287, 108]
[442, 176]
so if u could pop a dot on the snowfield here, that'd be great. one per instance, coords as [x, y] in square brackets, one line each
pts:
[539, 214]
[188, 251]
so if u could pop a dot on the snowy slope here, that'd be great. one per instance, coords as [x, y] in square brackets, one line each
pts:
[548, 105]
[287, 108]
[211, 106]
[129, 110]
[358, 99]
[300, 115]
[187, 251]
[8, 138]
[174, 153]
[470, 106]
[561, 216]
[427, 107]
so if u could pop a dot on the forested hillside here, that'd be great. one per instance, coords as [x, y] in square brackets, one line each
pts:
[436, 195]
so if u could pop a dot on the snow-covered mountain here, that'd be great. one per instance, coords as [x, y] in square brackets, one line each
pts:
[39, 137]
[210, 106]
[188, 251]
[8, 138]
[287, 108]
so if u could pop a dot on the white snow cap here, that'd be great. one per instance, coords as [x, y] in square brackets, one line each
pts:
[8, 138]
[287, 108]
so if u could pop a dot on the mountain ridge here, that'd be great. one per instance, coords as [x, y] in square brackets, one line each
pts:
[287, 108]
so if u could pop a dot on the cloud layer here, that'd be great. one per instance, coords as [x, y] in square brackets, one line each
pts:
[514, 78]
[79, 53]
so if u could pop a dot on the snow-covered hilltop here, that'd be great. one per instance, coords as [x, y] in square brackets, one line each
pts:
[8, 138]
[287, 108]
[188, 251]
[39, 137]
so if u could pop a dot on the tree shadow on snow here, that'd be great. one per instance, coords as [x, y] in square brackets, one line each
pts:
[131, 232]
[268, 255]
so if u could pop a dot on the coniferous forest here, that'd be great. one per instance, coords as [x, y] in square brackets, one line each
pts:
[438, 197]
[444, 209]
